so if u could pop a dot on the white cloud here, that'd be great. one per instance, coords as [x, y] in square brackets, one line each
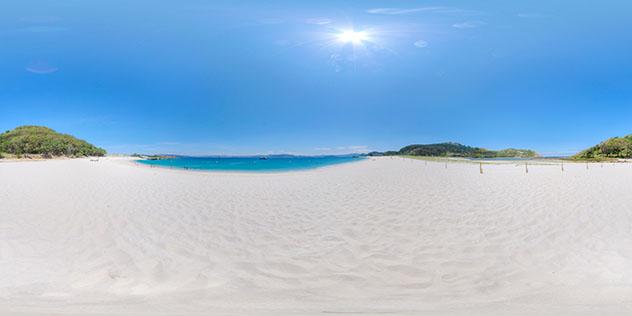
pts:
[435, 9]
[358, 147]
[40, 19]
[286, 42]
[532, 15]
[421, 43]
[41, 68]
[396, 11]
[468, 24]
[342, 149]
[336, 61]
[271, 21]
[44, 28]
[42, 24]
[318, 21]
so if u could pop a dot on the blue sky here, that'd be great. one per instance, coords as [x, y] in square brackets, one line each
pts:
[246, 77]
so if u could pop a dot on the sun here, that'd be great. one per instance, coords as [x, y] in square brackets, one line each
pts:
[353, 37]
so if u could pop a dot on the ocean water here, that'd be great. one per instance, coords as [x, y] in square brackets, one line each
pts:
[250, 164]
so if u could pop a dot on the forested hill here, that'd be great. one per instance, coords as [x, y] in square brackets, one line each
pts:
[458, 150]
[40, 140]
[616, 147]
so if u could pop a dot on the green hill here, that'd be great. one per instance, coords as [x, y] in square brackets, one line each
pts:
[459, 150]
[616, 147]
[39, 140]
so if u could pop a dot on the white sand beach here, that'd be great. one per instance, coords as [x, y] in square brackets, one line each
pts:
[380, 236]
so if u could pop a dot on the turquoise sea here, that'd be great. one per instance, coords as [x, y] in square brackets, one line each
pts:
[251, 164]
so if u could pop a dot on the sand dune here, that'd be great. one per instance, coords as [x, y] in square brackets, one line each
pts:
[378, 236]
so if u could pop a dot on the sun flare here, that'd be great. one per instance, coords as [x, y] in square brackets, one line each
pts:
[353, 37]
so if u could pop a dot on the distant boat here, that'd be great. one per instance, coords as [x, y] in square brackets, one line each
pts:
[263, 158]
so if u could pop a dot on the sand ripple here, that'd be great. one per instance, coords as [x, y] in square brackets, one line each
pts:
[378, 236]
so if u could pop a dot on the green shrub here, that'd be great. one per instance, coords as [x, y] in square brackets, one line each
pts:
[39, 140]
[616, 147]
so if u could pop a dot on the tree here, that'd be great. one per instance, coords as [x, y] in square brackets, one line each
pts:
[46, 142]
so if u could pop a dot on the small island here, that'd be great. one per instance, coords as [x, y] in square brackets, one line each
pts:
[457, 150]
[39, 142]
[153, 157]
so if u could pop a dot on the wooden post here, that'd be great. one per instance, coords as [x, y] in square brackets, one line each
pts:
[480, 166]
[562, 166]
[446, 165]
[526, 167]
